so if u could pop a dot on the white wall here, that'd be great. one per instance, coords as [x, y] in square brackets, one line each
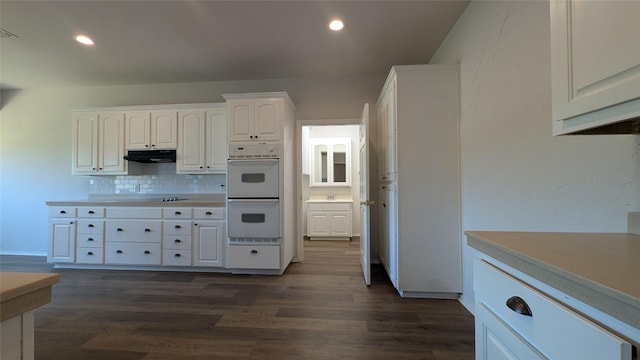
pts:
[515, 175]
[35, 137]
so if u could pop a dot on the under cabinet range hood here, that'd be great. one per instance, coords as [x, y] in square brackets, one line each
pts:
[151, 156]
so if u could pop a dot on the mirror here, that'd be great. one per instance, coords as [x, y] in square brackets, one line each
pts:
[330, 162]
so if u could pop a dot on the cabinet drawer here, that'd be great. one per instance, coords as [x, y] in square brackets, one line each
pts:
[133, 230]
[329, 206]
[134, 212]
[177, 213]
[90, 212]
[208, 213]
[130, 253]
[62, 212]
[253, 257]
[176, 257]
[86, 255]
[90, 226]
[89, 240]
[176, 227]
[176, 242]
[494, 288]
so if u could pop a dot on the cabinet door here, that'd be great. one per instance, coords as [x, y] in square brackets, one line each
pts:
[595, 63]
[496, 341]
[85, 143]
[137, 134]
[164, 129]
[390, 133]
[208, 239]
[318, 223]
[62, 247]
[191, 147]
[111, 144]
[340, 223]
[241, 119]
[267, 120]
[216, 141]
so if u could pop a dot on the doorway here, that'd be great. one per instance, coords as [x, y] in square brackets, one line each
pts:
[328, 166]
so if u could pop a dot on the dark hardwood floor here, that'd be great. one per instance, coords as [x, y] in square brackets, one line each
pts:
[319, 309]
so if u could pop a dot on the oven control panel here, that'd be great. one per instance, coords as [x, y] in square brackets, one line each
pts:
[254, 151]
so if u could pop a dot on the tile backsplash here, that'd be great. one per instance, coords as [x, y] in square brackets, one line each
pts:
[157, 179]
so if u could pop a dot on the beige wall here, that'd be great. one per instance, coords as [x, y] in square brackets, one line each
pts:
[515, 175]
[35, 137]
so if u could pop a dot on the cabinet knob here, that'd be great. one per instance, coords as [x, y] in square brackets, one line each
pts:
[177, 241]
[196, 224]
[147, 230]
[153, 145]
[99, 168]
[178, 213]
[62, 212]
[208, 167]
[178, 227]
[93, 169]
[147, 252]
[177, 255]
[118, 251]
[70, 222]
[146, 145]
[518, 305]
[90, 253]
[201, 167]
[254, 251]
[119, 229]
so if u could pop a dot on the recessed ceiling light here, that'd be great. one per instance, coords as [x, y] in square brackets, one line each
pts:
[336, 25]
[83, 39]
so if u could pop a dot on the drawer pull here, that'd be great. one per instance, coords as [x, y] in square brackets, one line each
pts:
[178, 227]
[62, 212]
[254, 251]
[178, 213]
[177, 241]
[118, 251]
[208, 213]
[177, 255]
[90, 239]
[90, 253]
[147, 230]
[90, 225]
[518, 305]
[147, 252]
[119, 229]
[91, 212]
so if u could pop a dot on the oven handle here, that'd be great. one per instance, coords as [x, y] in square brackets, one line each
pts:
[253, 160]
[255, 200]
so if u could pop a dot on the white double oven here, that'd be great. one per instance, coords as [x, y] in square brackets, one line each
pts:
[253, 194]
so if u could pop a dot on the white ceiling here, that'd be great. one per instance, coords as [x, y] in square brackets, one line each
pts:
[147, 41]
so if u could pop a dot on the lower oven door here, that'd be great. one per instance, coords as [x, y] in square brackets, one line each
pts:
[254, 219]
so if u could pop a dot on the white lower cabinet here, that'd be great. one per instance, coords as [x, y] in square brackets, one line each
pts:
[137, 236]
[516, 321]
[329, 219]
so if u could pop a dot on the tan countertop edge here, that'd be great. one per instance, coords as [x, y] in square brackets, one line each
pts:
[619, 305]
[21, 292]
[182, 203]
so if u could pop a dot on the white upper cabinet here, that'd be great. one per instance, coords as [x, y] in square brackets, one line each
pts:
[98, 143]
[151, 130]
[387, 133]
[595, 65]
[256, 117]
[202, 141]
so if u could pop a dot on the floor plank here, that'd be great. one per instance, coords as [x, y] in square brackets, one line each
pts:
[319, 309]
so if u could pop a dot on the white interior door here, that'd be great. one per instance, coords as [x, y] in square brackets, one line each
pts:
[365, 202]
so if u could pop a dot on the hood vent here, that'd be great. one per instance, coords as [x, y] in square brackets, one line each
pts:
[5, 34]
[151, 156]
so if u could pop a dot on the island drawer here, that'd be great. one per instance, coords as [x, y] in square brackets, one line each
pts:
[548, 323]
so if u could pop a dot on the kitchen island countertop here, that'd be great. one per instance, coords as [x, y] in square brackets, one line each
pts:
[599, 269]
[21, 292]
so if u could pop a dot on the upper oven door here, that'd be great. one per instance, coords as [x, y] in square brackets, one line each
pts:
[253, 178]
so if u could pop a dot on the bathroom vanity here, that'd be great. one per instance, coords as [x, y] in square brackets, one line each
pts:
[329, 217]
